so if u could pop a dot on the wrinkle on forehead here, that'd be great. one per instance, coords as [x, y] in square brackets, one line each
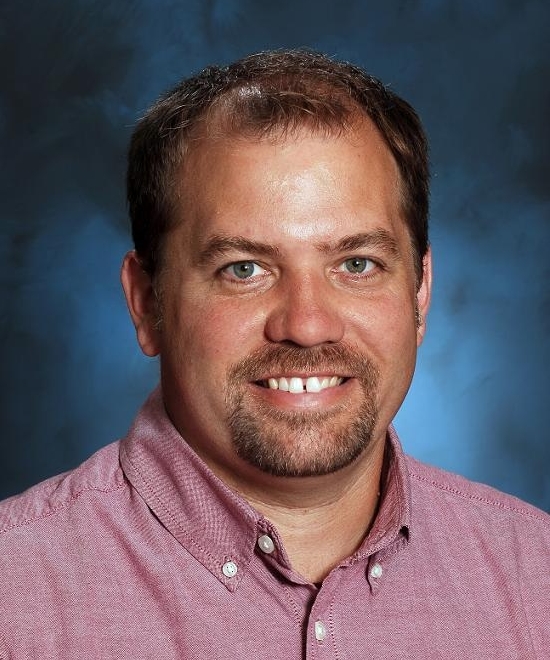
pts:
[279, 186]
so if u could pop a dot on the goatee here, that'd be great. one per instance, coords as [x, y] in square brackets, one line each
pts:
[302, 443]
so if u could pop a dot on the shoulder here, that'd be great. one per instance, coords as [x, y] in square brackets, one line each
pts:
[489, 542]
[99, 476]
[471, 495]
[484, 550]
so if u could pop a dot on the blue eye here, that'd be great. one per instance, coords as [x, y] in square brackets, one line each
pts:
[357, 265]
[243, 270]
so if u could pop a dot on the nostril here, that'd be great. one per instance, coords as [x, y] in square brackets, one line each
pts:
[303, 327]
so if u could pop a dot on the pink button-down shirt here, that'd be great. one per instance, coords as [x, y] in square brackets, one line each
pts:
[142, 553]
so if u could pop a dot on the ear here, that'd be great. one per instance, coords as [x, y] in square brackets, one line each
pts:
[142, 303]
[423, 296]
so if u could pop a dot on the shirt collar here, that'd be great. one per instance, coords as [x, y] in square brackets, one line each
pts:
[209, 519]
[393, 518]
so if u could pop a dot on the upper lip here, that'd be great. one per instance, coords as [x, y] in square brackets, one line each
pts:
[305, 376]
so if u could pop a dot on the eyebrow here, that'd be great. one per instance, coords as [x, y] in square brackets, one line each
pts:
[378, 238]
[220, 245]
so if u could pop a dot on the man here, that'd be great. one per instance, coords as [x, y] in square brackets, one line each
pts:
[261, 505]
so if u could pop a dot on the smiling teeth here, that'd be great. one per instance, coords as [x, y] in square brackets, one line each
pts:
[299, 385]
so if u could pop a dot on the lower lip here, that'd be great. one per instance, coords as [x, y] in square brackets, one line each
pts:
[327, 397]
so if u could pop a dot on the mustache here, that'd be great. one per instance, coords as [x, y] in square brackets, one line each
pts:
[332, 358]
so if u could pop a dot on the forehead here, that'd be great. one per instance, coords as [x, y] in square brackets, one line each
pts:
[301, 184]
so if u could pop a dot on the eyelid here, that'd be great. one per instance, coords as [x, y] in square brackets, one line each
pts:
[372, 264]
[225, 270]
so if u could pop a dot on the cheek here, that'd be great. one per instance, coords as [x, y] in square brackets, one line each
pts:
[234, 332]
[387, 323]
[399, 347]
[386, 333]
[214, 334]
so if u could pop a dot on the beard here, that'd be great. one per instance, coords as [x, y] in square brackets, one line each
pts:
[301, 443]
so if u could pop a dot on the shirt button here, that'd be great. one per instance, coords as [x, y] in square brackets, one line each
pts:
[265, 543]
[376, 571]
[230, 569]
[320, 631]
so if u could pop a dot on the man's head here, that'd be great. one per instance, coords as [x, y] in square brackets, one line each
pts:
[270, 93]
[281, 238]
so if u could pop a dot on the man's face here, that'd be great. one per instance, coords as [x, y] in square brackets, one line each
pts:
[287, 298]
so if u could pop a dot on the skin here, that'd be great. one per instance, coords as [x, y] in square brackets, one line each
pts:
[312, 224]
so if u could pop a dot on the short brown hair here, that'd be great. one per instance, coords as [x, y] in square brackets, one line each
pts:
[260, 94]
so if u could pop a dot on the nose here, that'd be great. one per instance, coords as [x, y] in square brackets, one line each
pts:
[305, 313]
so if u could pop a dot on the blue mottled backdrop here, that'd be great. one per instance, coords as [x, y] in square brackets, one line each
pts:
[76, 74]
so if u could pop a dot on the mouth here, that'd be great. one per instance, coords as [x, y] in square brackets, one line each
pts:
[297, 385]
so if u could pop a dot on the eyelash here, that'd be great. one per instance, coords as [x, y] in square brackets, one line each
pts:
[371, 267]
[240, 280]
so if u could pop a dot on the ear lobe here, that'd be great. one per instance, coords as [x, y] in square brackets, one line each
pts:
[423, 296]
[142, 303]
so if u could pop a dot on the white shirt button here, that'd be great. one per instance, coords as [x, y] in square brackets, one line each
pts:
[320, 631]
[376, 571]
[265, 543]
[230, 569]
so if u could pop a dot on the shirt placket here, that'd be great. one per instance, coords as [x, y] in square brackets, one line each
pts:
[321, 635]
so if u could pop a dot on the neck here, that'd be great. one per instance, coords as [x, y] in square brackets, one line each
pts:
[323, 520]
